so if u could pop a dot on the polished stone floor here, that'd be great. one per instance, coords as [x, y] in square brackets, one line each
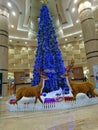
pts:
[84, 118]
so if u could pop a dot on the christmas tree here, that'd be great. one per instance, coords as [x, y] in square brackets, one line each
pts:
[48, 56]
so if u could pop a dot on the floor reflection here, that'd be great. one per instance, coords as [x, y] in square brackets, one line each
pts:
[84, 118]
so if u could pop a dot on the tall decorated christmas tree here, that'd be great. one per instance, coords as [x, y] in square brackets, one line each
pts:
[48, 56]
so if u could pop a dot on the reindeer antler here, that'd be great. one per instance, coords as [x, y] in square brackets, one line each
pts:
[40, 72]
[70, 66]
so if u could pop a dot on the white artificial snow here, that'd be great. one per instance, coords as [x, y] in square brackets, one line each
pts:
[27, 104]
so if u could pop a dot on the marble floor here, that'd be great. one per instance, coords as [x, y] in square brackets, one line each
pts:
[84, 118]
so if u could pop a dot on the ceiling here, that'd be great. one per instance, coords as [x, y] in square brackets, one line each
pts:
[24, 15]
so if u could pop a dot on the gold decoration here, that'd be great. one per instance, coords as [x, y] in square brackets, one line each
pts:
[44, 2]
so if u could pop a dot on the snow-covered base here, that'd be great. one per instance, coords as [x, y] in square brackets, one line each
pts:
[27, 104]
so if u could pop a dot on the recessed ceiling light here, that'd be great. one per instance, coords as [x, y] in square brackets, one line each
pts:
[12, 26]
[73, 9]
[29, 49]
[9, 4]
[69, 45]
[25, 42]
[77, 21]
[13, 13]
[23, 49]
[66, 39]
[10, 40]
[75, 1]
[64, 46]
[80, 35]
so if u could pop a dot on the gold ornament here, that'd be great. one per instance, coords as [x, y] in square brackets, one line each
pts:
[44, 2]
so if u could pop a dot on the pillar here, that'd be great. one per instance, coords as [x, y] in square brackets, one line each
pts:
[89, 34]
[4, 49]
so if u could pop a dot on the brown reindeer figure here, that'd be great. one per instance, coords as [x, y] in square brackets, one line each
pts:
[31, 91]
[80, 87]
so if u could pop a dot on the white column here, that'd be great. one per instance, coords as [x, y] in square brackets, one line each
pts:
[90, 39]
[4, 48]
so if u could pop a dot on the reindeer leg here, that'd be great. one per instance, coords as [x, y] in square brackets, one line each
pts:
[40, 99]
[92, 93]
[17, 99]
[74, 95]
[35, 99]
